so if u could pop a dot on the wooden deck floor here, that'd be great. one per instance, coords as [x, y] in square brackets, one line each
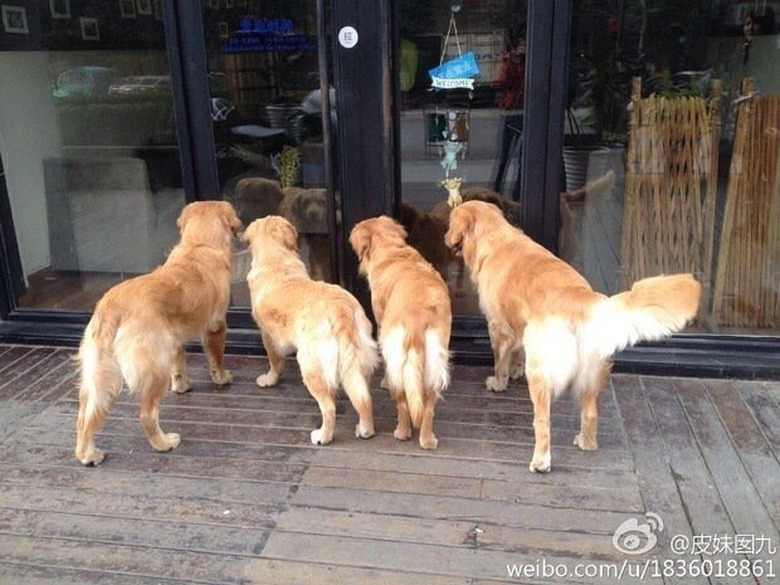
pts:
[246, 499]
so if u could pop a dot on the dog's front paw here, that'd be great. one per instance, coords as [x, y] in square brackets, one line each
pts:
[586, 444]
[429, 442]
[495, 384]
[180, 383]
[517, 372]
[92, 457]
[171, 441]
[267, 379]
[402, 434]
[221, 377]
[320, 438]
[540, 463]
[364, 431]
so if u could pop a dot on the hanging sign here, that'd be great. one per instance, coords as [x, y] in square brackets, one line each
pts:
[455, 72]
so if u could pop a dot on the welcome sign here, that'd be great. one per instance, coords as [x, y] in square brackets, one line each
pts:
[455, 73]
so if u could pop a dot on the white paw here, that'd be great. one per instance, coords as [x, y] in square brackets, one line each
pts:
[267, 379]
[580, 442]
[180, 383]
[430, 443]
[402, 435]
[319, 438]
[221, 377]
[494, 384]
[363, 433]
[540, 463]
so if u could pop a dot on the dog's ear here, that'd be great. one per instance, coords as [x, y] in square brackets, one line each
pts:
[249, 233]
[230, 217]
[395, 228]
[185, 215]
[286, 233]
[360, 239]
[462, 220]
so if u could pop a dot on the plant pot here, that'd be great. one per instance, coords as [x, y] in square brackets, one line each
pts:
[581, 162]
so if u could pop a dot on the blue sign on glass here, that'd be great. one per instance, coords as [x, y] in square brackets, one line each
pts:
[458, 68]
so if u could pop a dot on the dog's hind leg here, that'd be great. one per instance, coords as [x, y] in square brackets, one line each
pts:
[403, 431]
[427, 439]
[213, 342]
[541, 397]
[100, 385]
[588, 386]
[356, 388]
[324, 395]
[152, 390]
[502, 342]
[276, 361]
[179, 381]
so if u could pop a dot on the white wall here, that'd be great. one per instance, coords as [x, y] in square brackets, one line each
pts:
[28, 133]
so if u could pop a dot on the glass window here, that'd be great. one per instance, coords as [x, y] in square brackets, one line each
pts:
[88, 143]
[671, 152]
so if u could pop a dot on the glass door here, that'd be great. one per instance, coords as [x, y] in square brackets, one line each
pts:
[462, 83]
[266, 101]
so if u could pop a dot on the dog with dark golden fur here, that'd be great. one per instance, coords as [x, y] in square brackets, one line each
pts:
[137, 331]
[536, 303]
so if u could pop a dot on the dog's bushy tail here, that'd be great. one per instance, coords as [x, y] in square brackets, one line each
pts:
[100, 376]
[417, 363]
[654, 308]
[357, 355]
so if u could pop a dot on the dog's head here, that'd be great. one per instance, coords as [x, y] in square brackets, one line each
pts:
[212, 223]
[270, 231]
[309, 211]
[373, 232]
[467, 222]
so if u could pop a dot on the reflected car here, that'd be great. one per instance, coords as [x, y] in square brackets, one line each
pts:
[84, 81]
[139, 84]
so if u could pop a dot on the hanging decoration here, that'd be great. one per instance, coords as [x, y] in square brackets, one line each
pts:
[458, 72]
[449, 129]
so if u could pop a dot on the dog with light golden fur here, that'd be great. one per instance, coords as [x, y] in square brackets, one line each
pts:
[138, 329]
[322, 322]
[535, 302]
[412, 307]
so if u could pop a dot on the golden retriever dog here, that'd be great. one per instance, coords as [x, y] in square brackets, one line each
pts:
[137, 331]
[535, 302]
[323, 322]
[412, 306]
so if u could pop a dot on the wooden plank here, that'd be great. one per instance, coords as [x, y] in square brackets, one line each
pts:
[56, 379]
[445, 507]
[37, 574]
[146, 532]
[124, 559]
[654, 473]
[761, 401]
[102, 504]
[303, 571]
[743, 504]
[454, 533]
[398, 556]
[697, 488]
[12, 357]
[16, 415]
[750, 442]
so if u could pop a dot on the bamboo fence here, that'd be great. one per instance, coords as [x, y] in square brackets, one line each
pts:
[671, 187]
[748, 273]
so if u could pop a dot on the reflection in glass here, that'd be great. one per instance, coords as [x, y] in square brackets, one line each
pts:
[462, 80]
[268, 122]
[89, 149]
